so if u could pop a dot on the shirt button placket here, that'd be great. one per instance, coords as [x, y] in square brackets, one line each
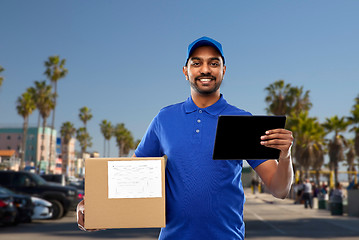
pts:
[198, 129]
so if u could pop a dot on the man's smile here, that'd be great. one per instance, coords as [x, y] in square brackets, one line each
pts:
[205, 79]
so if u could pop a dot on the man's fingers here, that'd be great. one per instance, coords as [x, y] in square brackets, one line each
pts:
[81, 227]
[278, 130]
[275, 142]
[280, 139]
[81, 215]
[277, 135]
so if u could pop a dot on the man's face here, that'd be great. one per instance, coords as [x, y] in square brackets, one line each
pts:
[205, 70]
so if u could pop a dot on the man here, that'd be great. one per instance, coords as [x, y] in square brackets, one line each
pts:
[307, 194]
[204, 197]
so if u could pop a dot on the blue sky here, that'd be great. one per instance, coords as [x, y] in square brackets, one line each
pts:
[125, 58]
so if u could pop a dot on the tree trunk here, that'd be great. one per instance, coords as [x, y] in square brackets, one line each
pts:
[356, 143]
[50, 152]
[39, 120]
[42, 145]
[66, 164]
[121, 149]
[104, 147]
[23, 154]
[52, 127]
[307, 172]
[317, 176]
[336, 179]
[108, 148]
[349, 175]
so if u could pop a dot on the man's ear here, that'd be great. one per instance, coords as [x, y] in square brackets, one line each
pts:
[185, 72]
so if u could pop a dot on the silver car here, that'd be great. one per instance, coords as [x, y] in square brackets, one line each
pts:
[42, 208]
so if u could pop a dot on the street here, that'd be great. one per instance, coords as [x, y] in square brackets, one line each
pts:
[66, 228]
[269, 218]
[265, 217]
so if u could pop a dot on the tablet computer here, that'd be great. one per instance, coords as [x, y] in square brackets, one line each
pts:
[238, 137]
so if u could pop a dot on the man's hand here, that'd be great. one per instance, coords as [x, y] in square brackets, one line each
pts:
[277, 176]
[281, 139]
[80, 210]
[81, 217]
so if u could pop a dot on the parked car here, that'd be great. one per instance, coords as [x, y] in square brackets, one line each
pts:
[80, 186]
[64, 181]
[8, 210]
[23, 205]
[62, 198]
[42, 209]
[55, 178]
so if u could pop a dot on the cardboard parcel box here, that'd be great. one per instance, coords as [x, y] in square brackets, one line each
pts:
[125, 193]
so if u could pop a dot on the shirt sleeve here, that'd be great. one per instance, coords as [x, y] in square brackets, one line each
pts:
[255, 163]
[150, 144]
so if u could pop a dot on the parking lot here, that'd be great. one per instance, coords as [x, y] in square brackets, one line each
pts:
[26, 196]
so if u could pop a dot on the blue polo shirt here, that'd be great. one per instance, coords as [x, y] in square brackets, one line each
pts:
[204, 197]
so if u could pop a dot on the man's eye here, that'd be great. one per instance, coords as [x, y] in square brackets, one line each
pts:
[195, 64]
[215, 64]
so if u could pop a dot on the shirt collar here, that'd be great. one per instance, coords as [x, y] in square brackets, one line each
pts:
[214, 109]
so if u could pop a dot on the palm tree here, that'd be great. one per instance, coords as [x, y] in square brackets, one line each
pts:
[309, 135]
[298, 101]
[44, 99]
[67, 132]
[317, 150]
[283, 99]
[25, 105]
[84, 139]
[350, 158]
[124, 139]
[85, 115]
[106, 130]
[337, 144]
[129, 144]
[354, 120]
[1, 78]
[55, 70]
[277, 97]
[34, 92]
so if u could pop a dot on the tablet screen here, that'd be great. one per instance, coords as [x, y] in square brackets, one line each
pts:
[238, 137]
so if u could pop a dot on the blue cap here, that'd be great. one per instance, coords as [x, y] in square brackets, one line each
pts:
[204, 41]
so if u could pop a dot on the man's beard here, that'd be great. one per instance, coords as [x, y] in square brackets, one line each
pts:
[195, 86]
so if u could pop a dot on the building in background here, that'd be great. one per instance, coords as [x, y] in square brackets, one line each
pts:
[11, 139]
[58, 163]
[9, 160]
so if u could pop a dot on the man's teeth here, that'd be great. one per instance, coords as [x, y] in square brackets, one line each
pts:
[205, 80]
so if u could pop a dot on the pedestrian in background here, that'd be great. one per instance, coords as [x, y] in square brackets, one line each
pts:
[337, 194]
[307, 194]
[298, 189]
[254, 185]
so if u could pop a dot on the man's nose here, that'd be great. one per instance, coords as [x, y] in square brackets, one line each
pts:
[205, 69]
